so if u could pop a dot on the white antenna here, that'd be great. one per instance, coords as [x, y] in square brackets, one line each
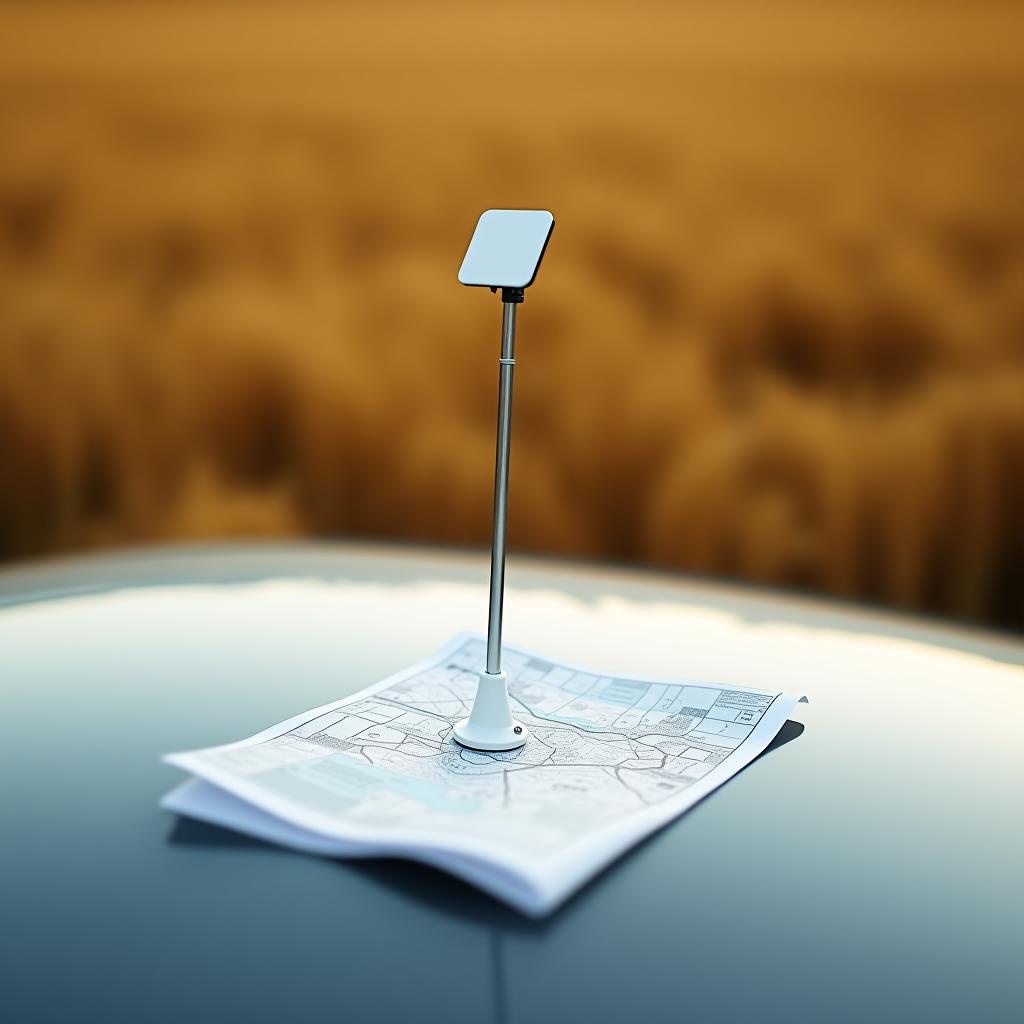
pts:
[504, 252]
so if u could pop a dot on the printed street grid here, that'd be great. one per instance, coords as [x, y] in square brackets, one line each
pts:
[600, 748]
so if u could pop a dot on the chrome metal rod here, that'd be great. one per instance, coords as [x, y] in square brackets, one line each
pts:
[507, 364]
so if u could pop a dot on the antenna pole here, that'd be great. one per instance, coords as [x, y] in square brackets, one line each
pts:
[490, 725]
[507, 364]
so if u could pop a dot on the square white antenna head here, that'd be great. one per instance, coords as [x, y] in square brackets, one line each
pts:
[506, 248]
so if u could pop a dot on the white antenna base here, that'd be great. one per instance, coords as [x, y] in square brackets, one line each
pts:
[490, 725]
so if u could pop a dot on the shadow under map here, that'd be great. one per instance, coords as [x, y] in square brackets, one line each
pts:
[435, 888]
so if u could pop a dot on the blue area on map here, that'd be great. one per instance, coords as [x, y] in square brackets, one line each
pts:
[352, 782]
[619, 691]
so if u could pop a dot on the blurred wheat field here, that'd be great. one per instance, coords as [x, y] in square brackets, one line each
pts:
[778, 336]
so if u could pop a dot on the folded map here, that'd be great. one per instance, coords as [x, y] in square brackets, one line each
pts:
[609, 760]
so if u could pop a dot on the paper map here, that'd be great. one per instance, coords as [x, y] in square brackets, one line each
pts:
[609, 760]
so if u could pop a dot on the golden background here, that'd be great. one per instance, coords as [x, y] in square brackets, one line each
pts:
[778, 335]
